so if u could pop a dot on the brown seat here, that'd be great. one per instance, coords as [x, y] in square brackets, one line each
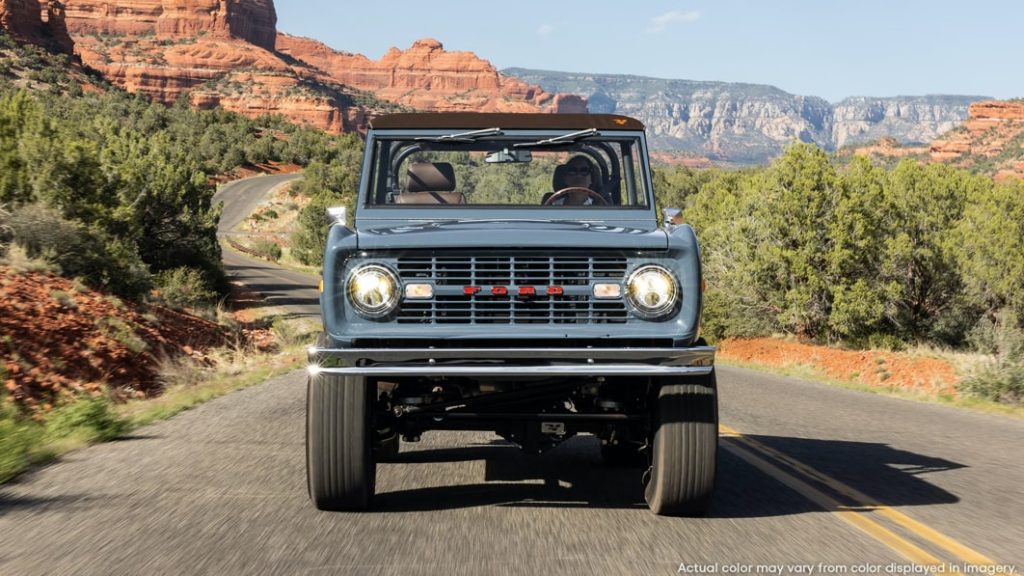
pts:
[430, 183]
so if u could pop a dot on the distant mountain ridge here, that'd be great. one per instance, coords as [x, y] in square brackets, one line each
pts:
[228, 53]
[750, 123]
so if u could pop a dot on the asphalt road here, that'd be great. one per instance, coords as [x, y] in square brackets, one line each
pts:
[278, 286]
[812, 480]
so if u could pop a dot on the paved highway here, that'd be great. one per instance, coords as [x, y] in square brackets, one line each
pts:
[812, 480]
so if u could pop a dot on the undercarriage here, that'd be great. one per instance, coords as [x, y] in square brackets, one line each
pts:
[535, 414]
[652, 408]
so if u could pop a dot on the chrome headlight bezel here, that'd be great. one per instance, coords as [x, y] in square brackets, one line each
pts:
[368, 280]
[652, 279]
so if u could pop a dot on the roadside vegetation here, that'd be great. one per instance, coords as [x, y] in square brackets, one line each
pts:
[862, 256]
[105, 199]
[82, 418]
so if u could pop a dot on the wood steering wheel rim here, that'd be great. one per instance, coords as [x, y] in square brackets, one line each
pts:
[565, 192]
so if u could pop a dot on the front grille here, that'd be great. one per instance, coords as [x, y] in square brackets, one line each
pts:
[512, 270]
[575, 274]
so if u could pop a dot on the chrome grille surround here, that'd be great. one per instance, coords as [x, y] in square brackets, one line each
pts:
[575, 275]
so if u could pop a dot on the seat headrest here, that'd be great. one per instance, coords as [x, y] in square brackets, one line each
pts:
[558, 177]
[430, 177]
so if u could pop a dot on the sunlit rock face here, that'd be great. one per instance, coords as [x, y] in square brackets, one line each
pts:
[427, 77]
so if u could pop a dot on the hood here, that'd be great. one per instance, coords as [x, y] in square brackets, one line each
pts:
[506, 234]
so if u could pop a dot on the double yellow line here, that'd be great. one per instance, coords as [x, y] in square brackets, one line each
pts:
[753, 452]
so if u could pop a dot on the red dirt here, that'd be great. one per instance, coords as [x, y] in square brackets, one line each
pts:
[874, 368]
[57, 339]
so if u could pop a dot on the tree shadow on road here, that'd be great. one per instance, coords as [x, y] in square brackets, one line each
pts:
[853, 474]
[573, 475]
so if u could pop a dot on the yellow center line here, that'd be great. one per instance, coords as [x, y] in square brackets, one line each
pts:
[857, 519]
[864, 503]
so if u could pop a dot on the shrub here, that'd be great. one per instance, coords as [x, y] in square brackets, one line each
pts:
[101, 261]
[1000, 376]
[181, 288]
[64, 299]
[17, 439]
[18, 260]
[123, 333]
[267, 249]
[179, 371]
[5, 230]
[87, 418]
[289, 332]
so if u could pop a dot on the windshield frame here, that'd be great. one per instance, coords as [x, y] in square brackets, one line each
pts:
[636, 214]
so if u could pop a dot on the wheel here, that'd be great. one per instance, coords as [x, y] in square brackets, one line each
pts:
[684, 453]
[626, 454]
[340, 466]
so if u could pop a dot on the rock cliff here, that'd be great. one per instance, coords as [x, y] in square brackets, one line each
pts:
[427, 77]
[30, 21]
[991, 140]
[21, 19]
[253, 21]
[225, 52]
[749, 123]
[220, 50]
[908, 119]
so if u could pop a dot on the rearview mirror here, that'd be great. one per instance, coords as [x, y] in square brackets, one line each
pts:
[507, 156]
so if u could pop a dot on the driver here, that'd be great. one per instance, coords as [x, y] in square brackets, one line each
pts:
[578, 172]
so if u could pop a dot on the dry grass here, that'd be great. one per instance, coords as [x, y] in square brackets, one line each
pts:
[17, 259]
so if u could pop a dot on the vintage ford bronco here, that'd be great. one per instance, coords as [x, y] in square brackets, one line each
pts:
[506, 273]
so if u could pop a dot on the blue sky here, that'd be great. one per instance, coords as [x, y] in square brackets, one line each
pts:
[827, 48]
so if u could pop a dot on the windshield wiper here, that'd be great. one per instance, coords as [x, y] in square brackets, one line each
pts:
[462, 136]
[563, 139]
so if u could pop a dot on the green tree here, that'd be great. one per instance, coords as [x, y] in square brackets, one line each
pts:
[989, 247]
[861, 298]
[792, 220]
[923, 205]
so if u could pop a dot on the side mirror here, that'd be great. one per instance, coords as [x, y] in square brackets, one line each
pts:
[337, 215]
[672, 216]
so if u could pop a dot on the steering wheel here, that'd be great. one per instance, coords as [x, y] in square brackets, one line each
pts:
[578, 195]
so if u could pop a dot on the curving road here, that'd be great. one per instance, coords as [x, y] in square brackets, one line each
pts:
[813, 480]
[279, 287]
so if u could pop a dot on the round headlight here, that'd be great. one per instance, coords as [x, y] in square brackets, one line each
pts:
[373, 290]
[653, 291]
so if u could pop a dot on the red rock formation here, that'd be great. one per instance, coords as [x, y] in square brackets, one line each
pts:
[253, 21]
[997, 110]
[54, 20]
[281, 94]
[889, 147]
[163, 48]
[163, 72]
[427, 77]
[28, 21]
[988, 131]
[21, 19]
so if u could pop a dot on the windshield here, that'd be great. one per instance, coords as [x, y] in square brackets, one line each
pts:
[495, 168]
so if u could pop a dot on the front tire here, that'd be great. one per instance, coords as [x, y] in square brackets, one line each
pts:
[684, 452]
[340, 467]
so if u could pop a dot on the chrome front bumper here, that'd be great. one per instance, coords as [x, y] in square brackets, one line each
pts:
[477, 362]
